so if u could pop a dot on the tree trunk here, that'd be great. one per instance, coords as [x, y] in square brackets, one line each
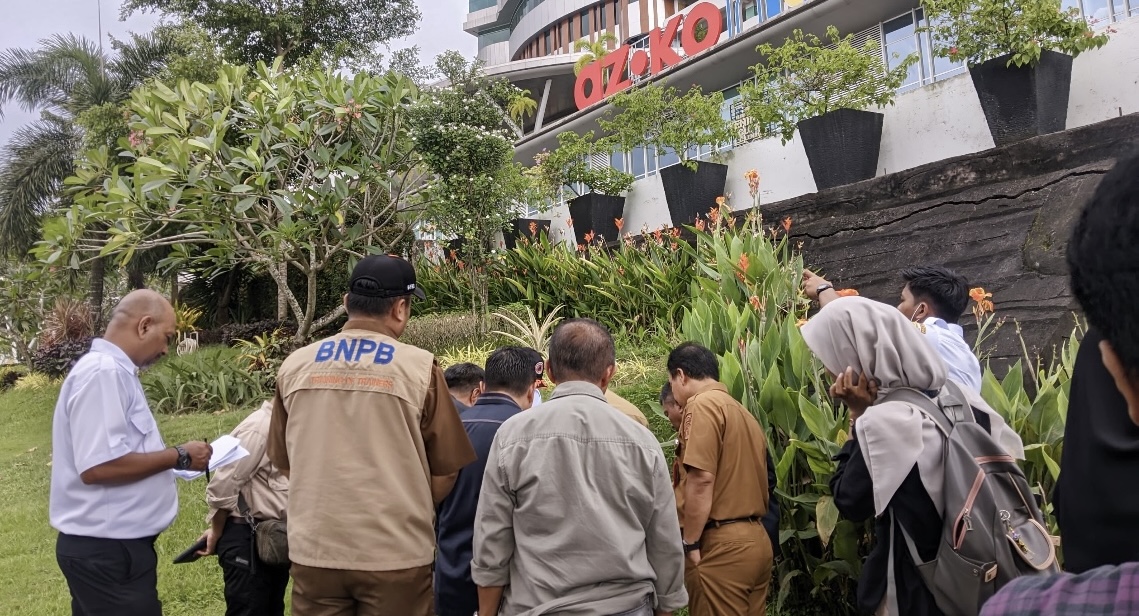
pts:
[282, 297]
[136, 278]
[174, 290]
[221, 317]
[305, 323]
[97, 280]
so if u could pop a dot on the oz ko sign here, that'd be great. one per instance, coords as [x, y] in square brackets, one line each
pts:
[590, 88]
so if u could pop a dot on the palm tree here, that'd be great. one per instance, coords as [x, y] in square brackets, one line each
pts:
[592, 51]
[521, 106]
[64, 77]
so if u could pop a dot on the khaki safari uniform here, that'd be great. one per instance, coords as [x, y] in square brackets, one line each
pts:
[720, 436]
[361, 422]
[628, 409]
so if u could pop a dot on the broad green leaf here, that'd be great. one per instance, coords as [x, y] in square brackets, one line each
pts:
[826, 516]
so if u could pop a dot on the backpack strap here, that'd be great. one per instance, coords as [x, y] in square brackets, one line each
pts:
[891, 582]
[925, 404]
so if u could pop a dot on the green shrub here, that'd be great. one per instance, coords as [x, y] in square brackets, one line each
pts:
[442, 333]
[211, 379]
[35, 380]
[55, 360]
[263, 355]
[10, 374]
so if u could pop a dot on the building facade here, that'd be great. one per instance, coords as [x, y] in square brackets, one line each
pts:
[936, 116]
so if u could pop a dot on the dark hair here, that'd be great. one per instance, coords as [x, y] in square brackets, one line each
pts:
[1103, 260]
[581, 350]
[372, 306]
[696, 361]
[511, 370]
[666, 393]
[463, 377]
[945, 289]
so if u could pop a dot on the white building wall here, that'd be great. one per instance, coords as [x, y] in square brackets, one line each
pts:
[925, 125]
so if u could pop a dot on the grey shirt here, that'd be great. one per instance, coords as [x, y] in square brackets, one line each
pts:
[576, 513]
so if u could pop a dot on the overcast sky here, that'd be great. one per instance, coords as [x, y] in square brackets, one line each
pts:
[25, 22]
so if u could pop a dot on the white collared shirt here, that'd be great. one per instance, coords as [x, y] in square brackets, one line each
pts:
[102, 415]
[949, 341]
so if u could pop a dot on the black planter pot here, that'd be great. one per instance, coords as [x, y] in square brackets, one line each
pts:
[842, 146]
[692, 193]
[1024, 102]
[520, 228]
[597, 213]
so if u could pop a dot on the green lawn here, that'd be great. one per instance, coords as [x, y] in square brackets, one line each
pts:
[29, 577]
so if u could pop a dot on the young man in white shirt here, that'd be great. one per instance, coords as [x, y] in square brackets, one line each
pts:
[112, 481]
[934, 298]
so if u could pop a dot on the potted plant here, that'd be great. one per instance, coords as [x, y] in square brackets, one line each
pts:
[597, 189]
[823, 92]
[1019, 54]
[666, 121]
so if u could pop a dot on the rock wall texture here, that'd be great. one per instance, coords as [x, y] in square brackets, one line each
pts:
[1000, 217]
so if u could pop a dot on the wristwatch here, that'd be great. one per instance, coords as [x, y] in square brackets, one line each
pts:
[184, 460]
[690, 547]
[823, 287]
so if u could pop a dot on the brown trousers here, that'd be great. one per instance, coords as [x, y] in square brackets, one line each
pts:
[734, 572]
[336, 592]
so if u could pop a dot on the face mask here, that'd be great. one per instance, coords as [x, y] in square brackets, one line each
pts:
[913, 316]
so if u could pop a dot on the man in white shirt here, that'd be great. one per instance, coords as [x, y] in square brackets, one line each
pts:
[112, 481]
[934, 298]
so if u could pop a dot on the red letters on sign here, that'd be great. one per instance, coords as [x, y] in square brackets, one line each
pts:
[661, 55]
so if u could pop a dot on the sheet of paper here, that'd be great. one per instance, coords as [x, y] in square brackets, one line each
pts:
[227, 450]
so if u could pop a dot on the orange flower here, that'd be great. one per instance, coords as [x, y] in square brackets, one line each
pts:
[787, 224]
[676, 232]
[714, 213]
[533, 228]
[743, 263]
[589, 237]
[460, 264]
[581, 247]
[978, 294]
[620, 222]
[847, 293]
[699, 224]
[720, 201]
[454, 255]
[569, 222]
[982, 304]
[657, 235]
[756, 303]
[674, 246]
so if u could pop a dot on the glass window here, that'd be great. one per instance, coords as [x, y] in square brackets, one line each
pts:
[584, 23]
[616, 14]
[637, 158]
[1097, 12]
[668, 158]
[898, 28]
[750, 9]
[478, 5]
[617, 160]
[772, 8]
[651, 159]
[494, 36]
[601, 17]
[549, 42]
[900, 43]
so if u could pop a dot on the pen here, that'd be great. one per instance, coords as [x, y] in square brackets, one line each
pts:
[207, 464]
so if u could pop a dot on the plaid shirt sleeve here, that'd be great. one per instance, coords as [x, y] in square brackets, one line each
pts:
[1106, 591]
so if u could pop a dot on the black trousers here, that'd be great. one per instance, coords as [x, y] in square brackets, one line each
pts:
[252, 588]
[110, 577]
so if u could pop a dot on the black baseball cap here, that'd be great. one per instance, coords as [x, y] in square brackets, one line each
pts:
[384, 276]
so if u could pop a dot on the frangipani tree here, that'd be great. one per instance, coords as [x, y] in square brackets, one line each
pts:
[322, 164]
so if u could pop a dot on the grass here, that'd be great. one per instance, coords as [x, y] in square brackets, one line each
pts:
[29, 576]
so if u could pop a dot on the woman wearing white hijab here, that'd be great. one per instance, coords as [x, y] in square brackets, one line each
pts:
[873, 349]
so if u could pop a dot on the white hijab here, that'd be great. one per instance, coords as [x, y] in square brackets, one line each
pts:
[877, 340]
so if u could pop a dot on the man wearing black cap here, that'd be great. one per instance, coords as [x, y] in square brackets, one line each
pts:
[365, 429]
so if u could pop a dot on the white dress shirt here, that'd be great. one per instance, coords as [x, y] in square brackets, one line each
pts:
[102, 415]
[949, 341]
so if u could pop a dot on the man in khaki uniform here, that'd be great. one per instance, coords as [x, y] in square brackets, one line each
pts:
[368, 434]
[721, 491]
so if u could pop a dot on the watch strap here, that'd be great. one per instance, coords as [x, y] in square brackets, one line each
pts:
[823, 287]
[184, 459]
[691, 547]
